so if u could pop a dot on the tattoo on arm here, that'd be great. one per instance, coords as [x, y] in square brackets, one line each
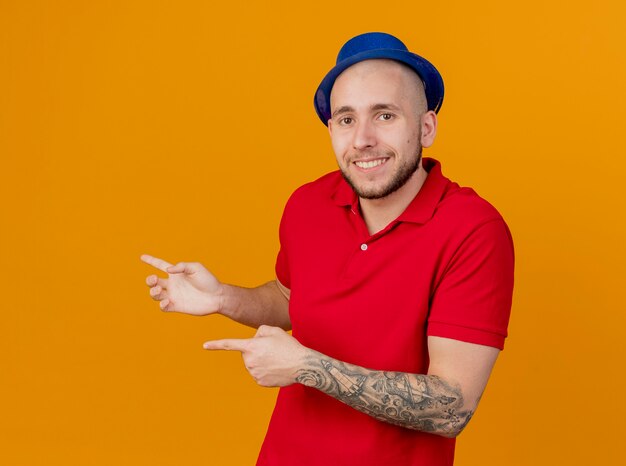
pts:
[421, 402]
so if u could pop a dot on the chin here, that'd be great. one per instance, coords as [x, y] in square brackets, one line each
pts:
[373, 192]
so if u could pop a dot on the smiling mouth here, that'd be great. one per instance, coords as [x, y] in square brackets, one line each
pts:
[369, 163]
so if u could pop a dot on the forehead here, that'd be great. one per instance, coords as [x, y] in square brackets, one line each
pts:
[374, 81]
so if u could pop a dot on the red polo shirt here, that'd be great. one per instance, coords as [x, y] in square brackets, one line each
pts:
[444, 267]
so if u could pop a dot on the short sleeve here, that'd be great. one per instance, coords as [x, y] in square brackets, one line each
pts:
[282, 259]
[472, 301]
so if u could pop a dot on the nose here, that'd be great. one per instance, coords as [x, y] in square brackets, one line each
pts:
[364, 135]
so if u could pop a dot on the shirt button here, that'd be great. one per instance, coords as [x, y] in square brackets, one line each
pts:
[364, 247]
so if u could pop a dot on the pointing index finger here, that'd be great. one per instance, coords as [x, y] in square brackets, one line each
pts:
[228, 344]
[156, 262]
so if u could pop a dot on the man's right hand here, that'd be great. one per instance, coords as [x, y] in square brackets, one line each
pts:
[190, 288]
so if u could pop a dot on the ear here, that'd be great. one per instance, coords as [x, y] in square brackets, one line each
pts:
[429, 128]
[330, 127]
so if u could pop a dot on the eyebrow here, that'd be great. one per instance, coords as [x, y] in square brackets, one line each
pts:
[385, 107]
[375, 107]
[340, 110]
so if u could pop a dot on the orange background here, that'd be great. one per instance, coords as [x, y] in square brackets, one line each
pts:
[180, 128]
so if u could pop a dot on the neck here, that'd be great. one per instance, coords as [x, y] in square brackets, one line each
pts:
[378, 213]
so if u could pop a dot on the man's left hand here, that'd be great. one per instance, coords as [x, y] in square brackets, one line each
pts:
[272, 356]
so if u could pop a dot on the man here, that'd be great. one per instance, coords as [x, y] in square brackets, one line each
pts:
[396, 282]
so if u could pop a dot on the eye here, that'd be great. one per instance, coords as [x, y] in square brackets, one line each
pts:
[345, 121]
[385, 116]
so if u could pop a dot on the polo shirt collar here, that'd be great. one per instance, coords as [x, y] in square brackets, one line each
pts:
[421, 208]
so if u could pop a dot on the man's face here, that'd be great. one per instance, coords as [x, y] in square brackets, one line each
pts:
[377, 108]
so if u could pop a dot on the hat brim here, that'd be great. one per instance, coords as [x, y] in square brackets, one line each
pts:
[433, 82]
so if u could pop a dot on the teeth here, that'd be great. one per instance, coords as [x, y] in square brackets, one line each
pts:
[371, 163]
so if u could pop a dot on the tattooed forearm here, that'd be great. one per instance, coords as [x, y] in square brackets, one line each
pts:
[421, 402]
